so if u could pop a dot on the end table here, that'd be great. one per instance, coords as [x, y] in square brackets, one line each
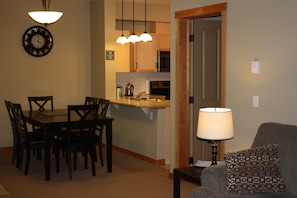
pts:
[191, 174]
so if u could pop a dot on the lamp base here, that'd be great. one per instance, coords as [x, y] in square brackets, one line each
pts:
[214, 152]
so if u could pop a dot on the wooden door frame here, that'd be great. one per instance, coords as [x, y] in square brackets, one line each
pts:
[184, 20]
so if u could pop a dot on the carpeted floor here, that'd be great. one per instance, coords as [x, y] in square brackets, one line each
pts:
[131, 178]
[3, 191]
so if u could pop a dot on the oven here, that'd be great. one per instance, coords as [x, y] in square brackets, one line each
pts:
[160, 88]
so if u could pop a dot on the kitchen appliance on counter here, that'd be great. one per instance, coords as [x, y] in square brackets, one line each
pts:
[129, 89]
[163, 64]
[160, 88]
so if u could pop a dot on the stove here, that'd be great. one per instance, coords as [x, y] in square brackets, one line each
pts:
[160, 88]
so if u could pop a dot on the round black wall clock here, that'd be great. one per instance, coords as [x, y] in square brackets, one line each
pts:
[37, 41]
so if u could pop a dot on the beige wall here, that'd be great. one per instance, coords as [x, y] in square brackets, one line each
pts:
[264, 29]
[63, 73]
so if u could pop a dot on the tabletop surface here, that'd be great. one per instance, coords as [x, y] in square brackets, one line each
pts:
[58, 116]
[193, 172]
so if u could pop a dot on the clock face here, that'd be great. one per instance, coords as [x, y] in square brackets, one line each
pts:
[37, 41]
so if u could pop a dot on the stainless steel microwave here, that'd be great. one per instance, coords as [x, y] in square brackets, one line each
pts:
[163, 64]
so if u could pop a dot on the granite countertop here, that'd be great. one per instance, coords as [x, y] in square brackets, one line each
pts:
[150, 102]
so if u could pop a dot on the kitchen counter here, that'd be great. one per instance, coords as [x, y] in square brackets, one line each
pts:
[143, 103]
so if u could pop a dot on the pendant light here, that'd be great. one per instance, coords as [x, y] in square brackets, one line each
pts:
[133, 38]
[122, 39]
[45, 16]
[145, 36]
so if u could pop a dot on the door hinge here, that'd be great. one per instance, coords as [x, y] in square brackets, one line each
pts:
[191, 99]
[191, 38]
[191, 160]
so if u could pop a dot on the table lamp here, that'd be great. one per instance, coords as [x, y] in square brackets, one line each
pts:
[215, 124]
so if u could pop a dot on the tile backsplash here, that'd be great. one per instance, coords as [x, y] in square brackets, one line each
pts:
[140, 80]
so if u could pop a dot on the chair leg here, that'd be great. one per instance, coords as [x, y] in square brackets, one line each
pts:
[27, 161]
[74, 160]
[85, 154]
[20, 160]
[93, 160]
[57, 158]
[69, 165]
[100, 149]
[16, 159]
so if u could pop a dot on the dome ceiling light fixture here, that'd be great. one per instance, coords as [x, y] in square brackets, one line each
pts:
[133, 38]
[45, 17]
[145, 36]
[122, 39]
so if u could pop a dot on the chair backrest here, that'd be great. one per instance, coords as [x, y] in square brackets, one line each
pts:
[20, 122]
[103, 107]
[91, 100]
[12, 121]
[41, 102]
[10, 114]
[85, 115]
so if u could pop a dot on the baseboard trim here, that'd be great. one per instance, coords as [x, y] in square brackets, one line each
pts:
[6, 148]
[160, 162]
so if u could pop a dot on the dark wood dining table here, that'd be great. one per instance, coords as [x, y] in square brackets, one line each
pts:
[50, 121]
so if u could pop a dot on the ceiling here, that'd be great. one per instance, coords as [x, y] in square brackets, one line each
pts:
[163, 2]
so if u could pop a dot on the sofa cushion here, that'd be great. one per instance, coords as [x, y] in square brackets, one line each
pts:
[254, 170]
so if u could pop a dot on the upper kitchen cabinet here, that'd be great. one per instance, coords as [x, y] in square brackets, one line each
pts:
[163, 40]
[163, 36]
[143, 56]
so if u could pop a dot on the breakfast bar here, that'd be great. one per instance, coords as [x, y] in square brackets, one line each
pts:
[142, 127]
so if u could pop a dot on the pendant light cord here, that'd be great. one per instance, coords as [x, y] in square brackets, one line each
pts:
[122, 17]
[133, 18]
[144, 15]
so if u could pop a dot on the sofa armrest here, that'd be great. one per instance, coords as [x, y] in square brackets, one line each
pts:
[214, 178]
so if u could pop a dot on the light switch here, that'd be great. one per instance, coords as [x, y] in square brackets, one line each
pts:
[256, 66]
[256, 101]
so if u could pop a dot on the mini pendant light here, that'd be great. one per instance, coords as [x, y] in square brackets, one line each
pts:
[133, 38]
[45, 16]
[122, 39]
[145, 36]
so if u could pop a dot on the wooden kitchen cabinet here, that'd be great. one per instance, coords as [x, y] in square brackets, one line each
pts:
[163, 41]
[143, 56]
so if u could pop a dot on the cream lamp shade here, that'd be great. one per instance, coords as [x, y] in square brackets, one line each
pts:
[145, 37]
[45, 17]
[215, 124]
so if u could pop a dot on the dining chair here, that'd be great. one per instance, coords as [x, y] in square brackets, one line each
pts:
[27, 141]
[91, 100]
[41, 102]
[16, 144]
[103, 107]
[80, 136]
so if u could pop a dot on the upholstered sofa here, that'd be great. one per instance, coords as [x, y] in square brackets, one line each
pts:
[214, 179]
